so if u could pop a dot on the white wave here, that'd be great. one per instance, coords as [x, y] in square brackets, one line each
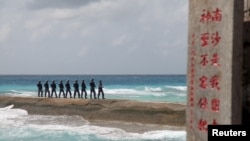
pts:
[18, 119]
[180, 88]
[158, 89]
[10, 112]
[118, 134]
[7, 108]
[20, 93]
[125, 91]
[165, 134]
[14, 91]
[148, 90]
[113, 133]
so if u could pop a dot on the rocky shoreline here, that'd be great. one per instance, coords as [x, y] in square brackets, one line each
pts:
[167, 114]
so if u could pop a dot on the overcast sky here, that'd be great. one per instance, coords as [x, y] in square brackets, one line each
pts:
[93, 36]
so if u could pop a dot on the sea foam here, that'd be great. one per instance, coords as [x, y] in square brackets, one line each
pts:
[22, 126]
[9, 112]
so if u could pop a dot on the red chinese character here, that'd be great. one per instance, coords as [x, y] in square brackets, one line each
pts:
[192, 73]
[214, 122]
[192, 88]
[192, 60]
[203, 82]
[205, 16]
[193, 52]
[191, 123]
[217, 15]
[193, 39]
[202, 125]
[204, 60]
[215, 38]
[214, 81]
[215, 60]
[191, 98]
[204, 39]
[203, 103]
[215, 105]
[192, 81]
[191, 118]
[192, 103]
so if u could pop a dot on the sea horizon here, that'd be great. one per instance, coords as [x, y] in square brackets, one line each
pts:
[155, 88]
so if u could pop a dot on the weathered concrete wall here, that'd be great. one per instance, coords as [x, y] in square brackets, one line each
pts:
[214, 65]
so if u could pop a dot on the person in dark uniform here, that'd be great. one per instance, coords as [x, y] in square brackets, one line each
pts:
[92, 89]
[61, 87]
[53, 88]
[68, 89]
[46, 86]
[83, 85]
[100, 90]
[76, 89]
[40, 89]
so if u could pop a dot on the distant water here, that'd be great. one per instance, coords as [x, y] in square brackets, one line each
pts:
[153, 88]
[18, 125]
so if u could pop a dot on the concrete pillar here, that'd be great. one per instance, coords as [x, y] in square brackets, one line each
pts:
[214, 75]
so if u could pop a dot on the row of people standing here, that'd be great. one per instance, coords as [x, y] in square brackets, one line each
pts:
[68, 89]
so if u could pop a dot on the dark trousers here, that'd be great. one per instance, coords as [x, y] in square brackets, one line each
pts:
[76, 91]
[40, 93]
[83, 90]
[62, 91]
[92, 91]
[53, 91]
[47, 91]
[101, 92]
[68, 91]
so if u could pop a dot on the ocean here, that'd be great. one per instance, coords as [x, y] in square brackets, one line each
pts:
[18, 125]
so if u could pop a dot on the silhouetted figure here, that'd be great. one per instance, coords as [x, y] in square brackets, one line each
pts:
[100, 90]
[83, 85]
[61, 87]
[40, 89]
[53, 88]
[46, 87]
[67, 85]
[92, 89]
[76, 89]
